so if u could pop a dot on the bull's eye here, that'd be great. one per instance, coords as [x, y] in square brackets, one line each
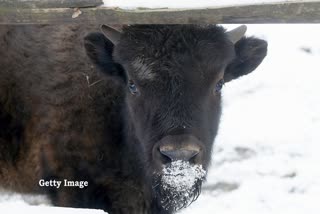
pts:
[133, 88]
[219, 85]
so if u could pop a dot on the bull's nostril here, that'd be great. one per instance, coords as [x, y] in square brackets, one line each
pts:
[180, 154]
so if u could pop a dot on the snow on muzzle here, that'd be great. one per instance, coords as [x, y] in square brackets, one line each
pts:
[179, 184]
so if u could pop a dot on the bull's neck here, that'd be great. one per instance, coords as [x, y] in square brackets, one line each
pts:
[133, 164]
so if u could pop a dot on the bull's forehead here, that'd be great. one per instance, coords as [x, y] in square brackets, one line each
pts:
[185, 67]
[153, 50]
[144, 70]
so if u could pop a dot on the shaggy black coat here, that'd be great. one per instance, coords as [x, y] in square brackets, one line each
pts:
[62, 118]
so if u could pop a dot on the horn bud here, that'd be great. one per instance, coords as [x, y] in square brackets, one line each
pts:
[112, 34]
[237, 33]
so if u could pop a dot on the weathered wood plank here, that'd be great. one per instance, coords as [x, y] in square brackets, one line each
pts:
[268, 13]
[49, 3]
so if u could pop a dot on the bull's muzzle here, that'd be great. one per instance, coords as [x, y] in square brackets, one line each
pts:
[179, 147]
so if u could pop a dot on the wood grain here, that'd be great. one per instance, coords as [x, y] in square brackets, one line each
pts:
[306, 12]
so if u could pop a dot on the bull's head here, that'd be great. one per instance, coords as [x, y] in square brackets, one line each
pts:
[174, 75]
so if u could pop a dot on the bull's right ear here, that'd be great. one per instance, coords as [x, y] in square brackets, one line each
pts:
[99, 49]
[250, 52]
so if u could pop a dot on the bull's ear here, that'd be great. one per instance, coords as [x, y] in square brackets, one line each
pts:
[249, 54]
[99, 49]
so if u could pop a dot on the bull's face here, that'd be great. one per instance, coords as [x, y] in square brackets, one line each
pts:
[174, 76]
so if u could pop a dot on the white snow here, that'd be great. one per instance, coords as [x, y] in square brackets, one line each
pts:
[36, 204]
[184, 4]
[266, 157]
[181, 176]
[19, 207]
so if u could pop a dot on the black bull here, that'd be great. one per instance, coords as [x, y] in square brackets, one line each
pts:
[133, 112]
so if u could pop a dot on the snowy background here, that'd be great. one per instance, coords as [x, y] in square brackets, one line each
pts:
[180, 4]
[266, 157]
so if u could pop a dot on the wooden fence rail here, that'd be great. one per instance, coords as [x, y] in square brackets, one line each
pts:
[91, 11]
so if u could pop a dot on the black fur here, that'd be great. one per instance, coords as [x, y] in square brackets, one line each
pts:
[63, 118]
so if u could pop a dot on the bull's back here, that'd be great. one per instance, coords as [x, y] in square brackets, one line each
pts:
[55, 108]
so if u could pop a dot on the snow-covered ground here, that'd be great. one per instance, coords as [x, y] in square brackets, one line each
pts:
[266, 156]
[177, 4]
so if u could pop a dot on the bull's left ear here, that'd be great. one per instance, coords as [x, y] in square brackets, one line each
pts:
[249, 54]
[99, 49]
